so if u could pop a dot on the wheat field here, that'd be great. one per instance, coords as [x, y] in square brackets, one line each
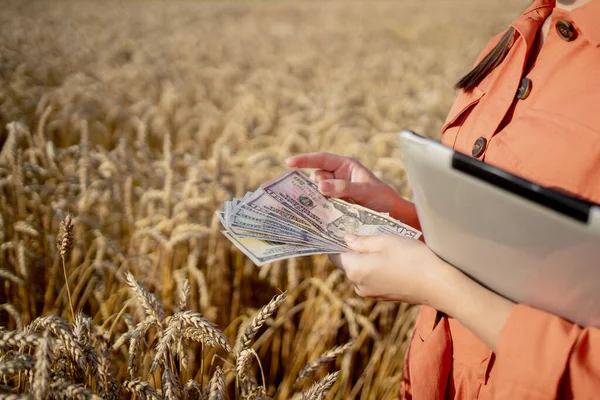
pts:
[123, 128]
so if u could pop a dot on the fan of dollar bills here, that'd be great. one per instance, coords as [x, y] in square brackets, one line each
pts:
[288, 217]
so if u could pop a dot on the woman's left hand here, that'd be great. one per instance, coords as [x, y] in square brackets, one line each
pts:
[394, 268]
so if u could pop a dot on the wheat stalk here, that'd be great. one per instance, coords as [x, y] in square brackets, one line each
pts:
[64, 243]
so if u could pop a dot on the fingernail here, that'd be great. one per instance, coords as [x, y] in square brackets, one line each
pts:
[350, 238]
[324, 186]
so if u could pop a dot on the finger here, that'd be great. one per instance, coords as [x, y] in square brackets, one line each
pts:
[336, 260]
[366, 244]
[343, 188]
[320, 175]
[352, 263]
[325, 161]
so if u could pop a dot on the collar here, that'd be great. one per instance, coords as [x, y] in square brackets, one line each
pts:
[585, 18]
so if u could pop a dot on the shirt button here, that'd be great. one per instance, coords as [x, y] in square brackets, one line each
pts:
[479, 147]
[566, 30]
[524, 89]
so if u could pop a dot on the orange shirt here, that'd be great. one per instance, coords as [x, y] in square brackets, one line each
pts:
[541, 121]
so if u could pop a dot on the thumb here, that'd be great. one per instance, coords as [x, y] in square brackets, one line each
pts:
[364, 244]
[341, 188]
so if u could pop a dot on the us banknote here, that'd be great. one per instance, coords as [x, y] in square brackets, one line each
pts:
[288, 217]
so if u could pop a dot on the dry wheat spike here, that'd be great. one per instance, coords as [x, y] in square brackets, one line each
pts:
[328, 356]
[61, 329]
[141, 389]
[15, 338]
[170, 385]
[64, 243]
[66, 390]
[43, 363]
[192, 391]
[137, 335]
[150, 303]
[319, 389]
[11, 367]
[217, 385]
[193, 326]
[259, 320]
[184, 295]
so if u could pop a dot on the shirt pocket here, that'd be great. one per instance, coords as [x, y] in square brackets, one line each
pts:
[551, 150]
[462, 107]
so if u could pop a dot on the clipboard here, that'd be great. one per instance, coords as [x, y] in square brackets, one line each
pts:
[531, 244]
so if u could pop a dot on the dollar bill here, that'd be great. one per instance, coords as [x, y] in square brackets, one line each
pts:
[334, 218]
[288, 217]
[262, 252]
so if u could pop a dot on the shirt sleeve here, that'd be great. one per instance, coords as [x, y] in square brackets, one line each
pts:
[540, 355]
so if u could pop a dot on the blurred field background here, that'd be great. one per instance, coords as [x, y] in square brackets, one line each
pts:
[140, 118]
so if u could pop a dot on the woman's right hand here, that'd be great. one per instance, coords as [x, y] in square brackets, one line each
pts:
[346, 178]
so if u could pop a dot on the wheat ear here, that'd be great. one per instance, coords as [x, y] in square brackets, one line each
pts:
[170, 385]
[43, 361]
[319, 389]
[217, 385]
[67, 390]
[11, 367]
[192, 390]
[141, 389]
[259, 320]
[60, 328]
[64, 243]
[328, 356]
[150, 303]
[14, 338]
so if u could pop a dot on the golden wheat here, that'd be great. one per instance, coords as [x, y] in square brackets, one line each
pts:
[123, 131]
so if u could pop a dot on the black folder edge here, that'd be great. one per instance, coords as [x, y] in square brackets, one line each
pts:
[578, 209]
[566, 204]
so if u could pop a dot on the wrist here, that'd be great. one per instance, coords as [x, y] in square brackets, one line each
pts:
[404, 211]
[439, 290]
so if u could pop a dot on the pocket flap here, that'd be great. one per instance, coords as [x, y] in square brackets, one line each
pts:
[463, 102]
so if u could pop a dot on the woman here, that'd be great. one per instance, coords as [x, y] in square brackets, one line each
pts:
[529, 106]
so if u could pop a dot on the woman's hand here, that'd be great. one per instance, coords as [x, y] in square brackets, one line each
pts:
[394, 268]
[346, 178]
